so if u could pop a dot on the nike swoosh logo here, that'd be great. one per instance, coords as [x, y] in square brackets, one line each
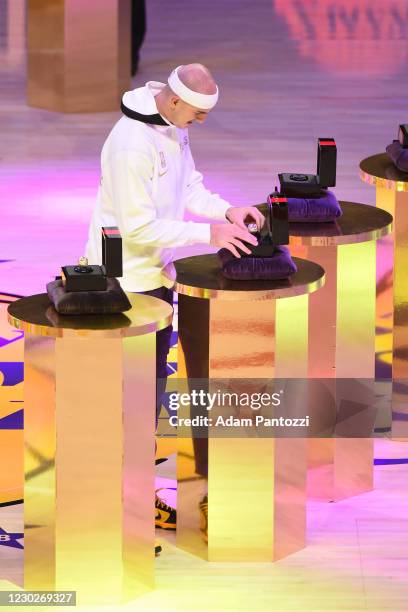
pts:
[162, 515]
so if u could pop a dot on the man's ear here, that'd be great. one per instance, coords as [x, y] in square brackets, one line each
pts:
[174, 100]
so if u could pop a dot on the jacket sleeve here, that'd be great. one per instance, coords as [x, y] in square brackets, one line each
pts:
[130, 175]
[200, 200]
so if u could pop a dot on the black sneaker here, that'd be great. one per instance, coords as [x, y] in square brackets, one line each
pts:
[165, 515]
[203, 506]
[157, 549]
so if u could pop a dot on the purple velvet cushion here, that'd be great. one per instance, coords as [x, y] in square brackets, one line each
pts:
[322, 208]
[111, 301]
[279, 266]
[398, 155]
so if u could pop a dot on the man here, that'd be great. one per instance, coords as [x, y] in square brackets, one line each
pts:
[148, 182]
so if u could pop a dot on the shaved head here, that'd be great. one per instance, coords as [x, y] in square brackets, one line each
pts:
[198, 78]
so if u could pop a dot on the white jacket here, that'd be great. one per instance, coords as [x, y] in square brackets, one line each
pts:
[148, 180]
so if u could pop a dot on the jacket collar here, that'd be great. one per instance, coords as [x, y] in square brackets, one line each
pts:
[140, 104]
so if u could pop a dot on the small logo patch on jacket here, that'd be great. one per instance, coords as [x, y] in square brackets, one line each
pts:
[163, 164]
[183, 143]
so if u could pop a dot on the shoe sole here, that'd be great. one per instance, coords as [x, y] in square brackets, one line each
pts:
[164, 526]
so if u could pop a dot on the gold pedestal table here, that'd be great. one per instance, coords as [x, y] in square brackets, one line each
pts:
[392, 296]
[342, 341]
[256, 485]
[89, 404]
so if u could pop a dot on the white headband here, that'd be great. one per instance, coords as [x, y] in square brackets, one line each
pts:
[198, 100]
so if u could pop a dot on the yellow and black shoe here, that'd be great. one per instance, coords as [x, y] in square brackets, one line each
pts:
[157, 549]
[165, 515]
[203, 506]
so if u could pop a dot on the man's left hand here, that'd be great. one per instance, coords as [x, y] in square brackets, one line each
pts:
[238, 214]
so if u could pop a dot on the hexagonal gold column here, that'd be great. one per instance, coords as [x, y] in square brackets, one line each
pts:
[392, 193]
[89, 419]
[256, 485]
[342, 338]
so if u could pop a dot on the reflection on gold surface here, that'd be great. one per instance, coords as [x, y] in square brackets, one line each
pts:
[383, 182]
[89, 492]
[400, 333]
[350, 37]
[39, 441]
[242, 339]
[90, 501]
[393, 196]
[385, 199]
[201, 277]
[341, 344]
[256, 486]
[355, 358]
[356, 311]
[36, 315]
[240, 296]
[380, 171]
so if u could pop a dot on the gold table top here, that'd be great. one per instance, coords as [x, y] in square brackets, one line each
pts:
[200, 276]
[379, 170]
[37, 316]
[358, 223]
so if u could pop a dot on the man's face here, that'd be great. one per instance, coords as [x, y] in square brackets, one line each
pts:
[185, 115]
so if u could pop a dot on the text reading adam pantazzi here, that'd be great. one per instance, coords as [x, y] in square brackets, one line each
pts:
[218, 400]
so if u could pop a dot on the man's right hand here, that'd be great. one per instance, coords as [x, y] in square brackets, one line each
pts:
[229, 236]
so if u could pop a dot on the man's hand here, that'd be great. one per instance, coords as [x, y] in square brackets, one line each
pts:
[238, 214]
[229, 236]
